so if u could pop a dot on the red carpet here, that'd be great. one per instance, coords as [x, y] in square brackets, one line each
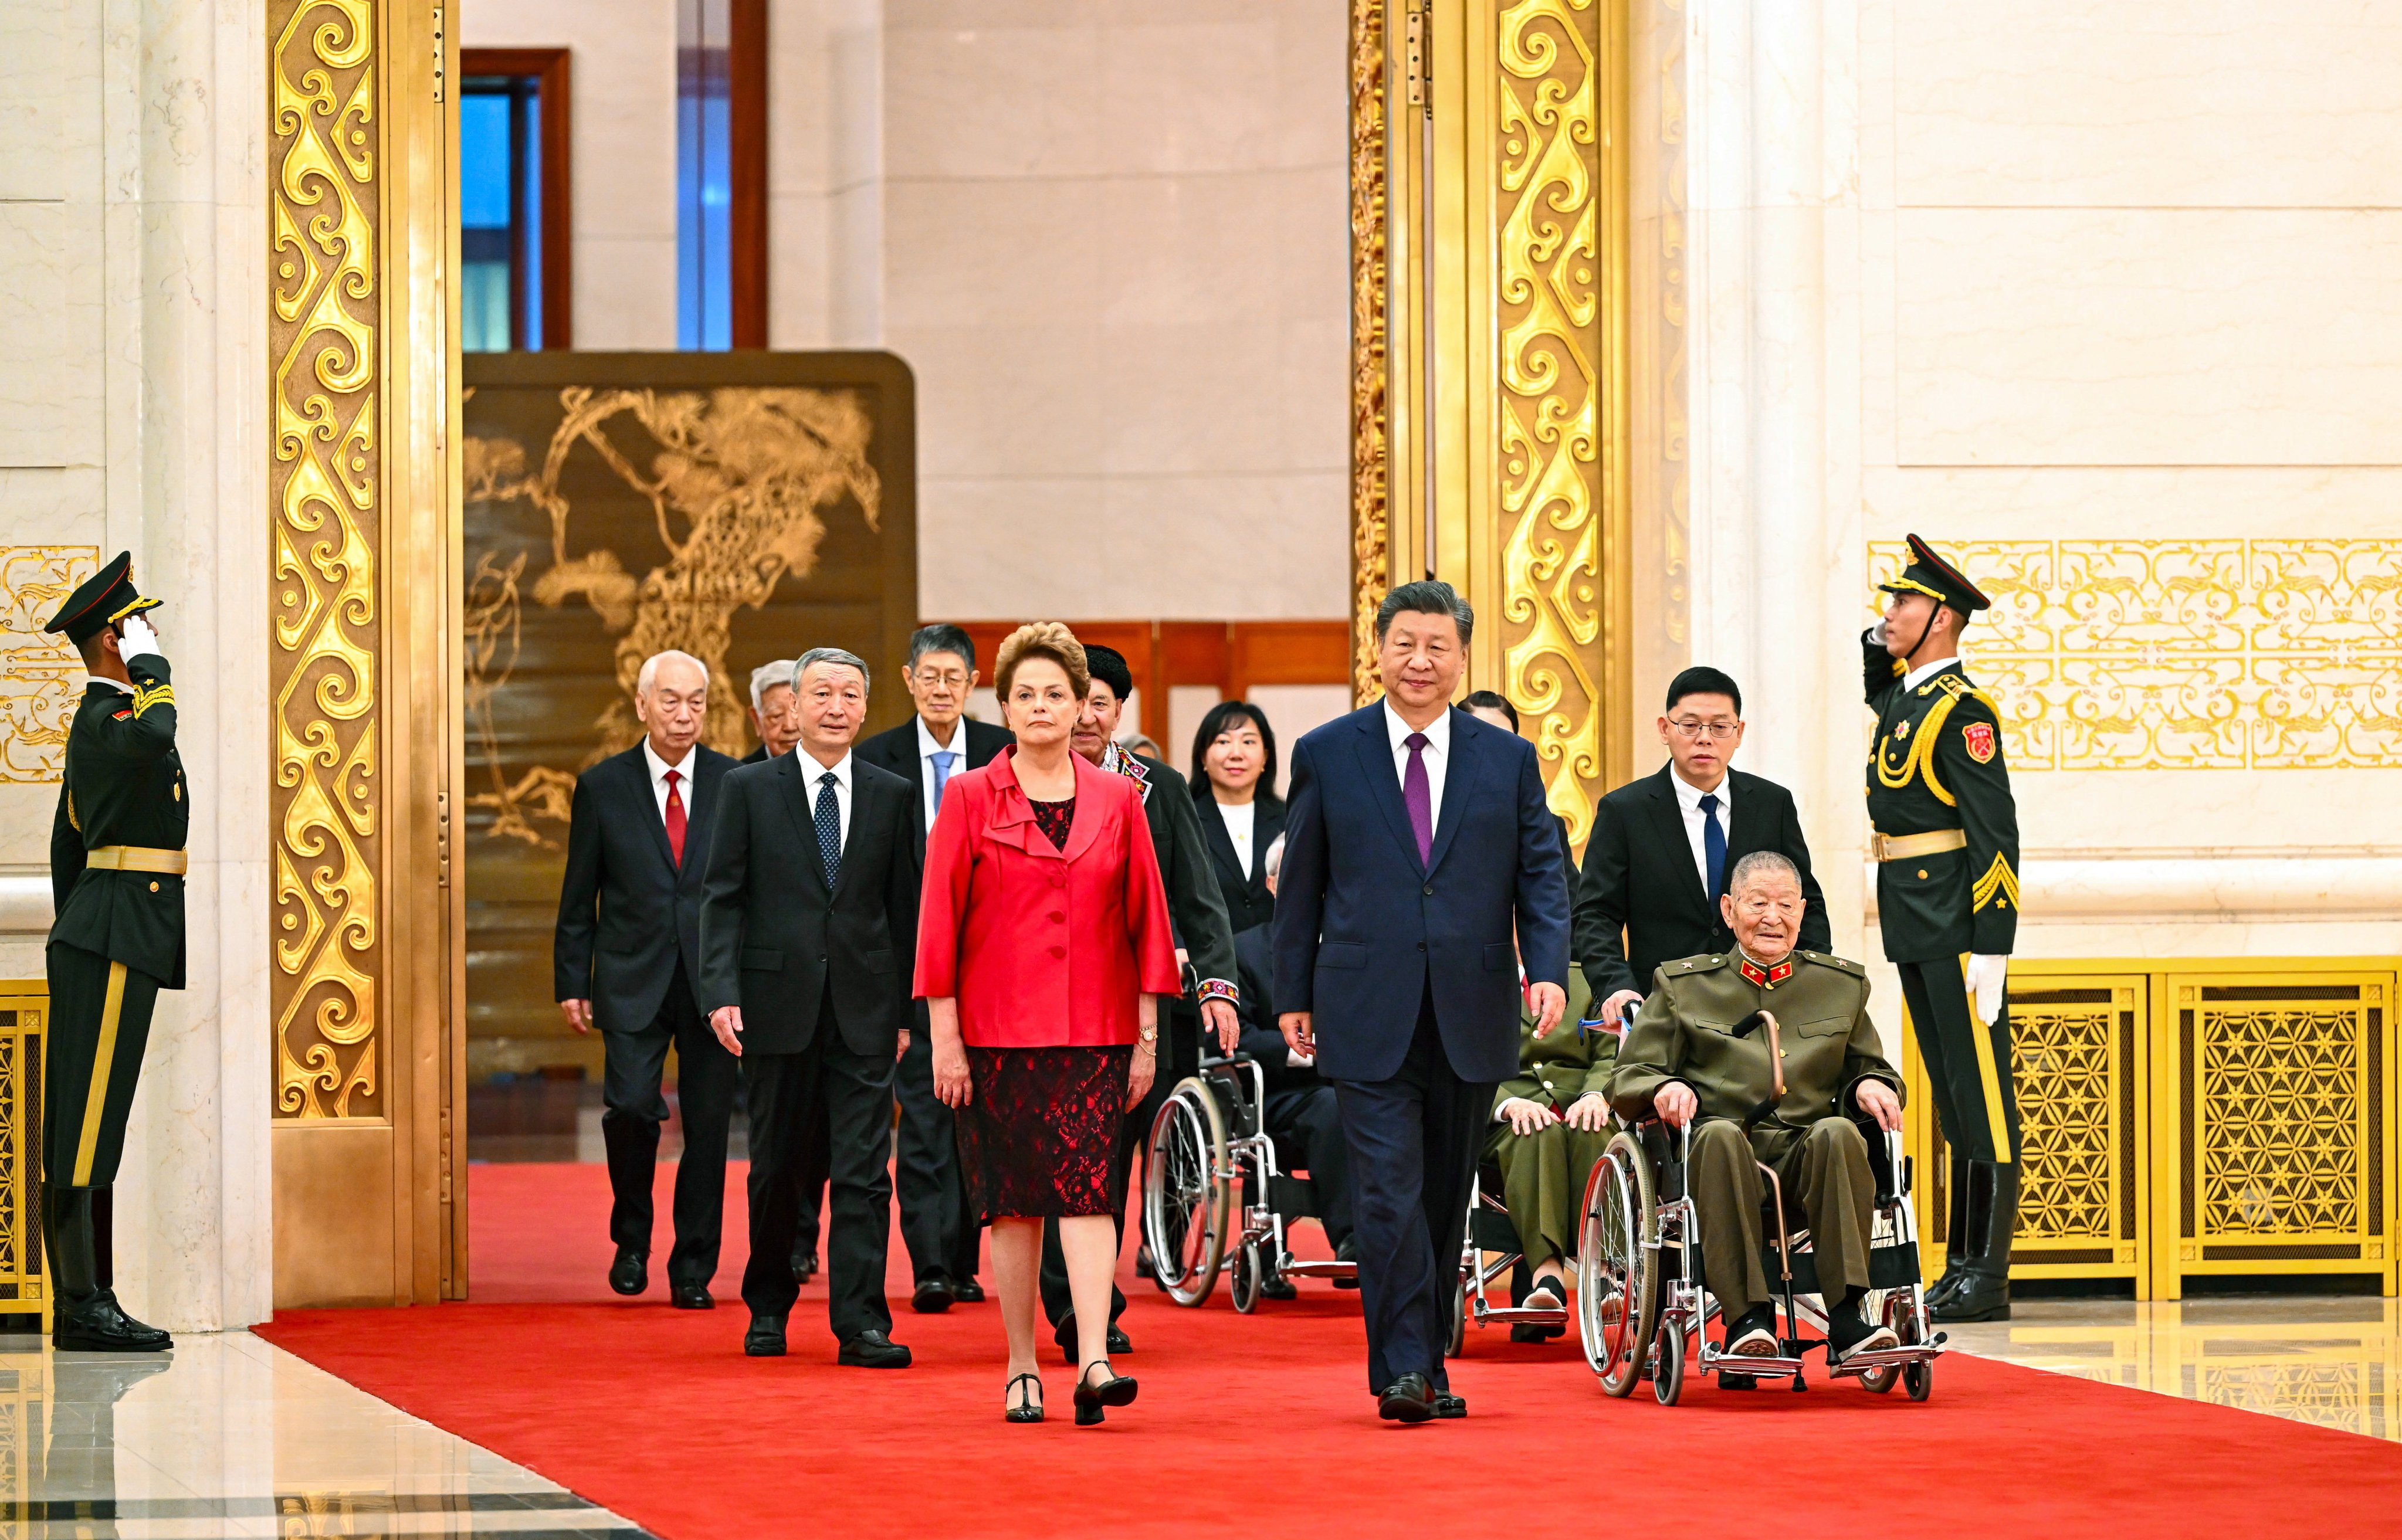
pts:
[1262, 1425]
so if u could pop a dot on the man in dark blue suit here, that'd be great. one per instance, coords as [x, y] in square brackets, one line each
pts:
[1418, 848]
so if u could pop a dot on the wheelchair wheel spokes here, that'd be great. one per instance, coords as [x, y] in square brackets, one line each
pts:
[1186, 1201]
[1617, 1283]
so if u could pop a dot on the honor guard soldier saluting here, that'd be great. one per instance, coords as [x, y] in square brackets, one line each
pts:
[1946, 842]
[117, 875]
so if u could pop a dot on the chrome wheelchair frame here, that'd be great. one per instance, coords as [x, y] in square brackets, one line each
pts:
[1208, 1163]
[1490, 1233]
[1642, 1299]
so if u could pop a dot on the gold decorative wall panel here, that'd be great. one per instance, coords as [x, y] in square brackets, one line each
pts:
[1371, 542]
[2260, 654]
[326, 478]
[1554, 365]
[24, 1008]
[41, 677]
[1489, 274]
[2079, 1043]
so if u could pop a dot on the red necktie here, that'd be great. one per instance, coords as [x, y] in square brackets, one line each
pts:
[675, 820]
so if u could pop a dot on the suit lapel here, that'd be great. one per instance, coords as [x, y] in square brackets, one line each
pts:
[1669, 817]
[1376, 768]
[706, 775]
[1747, 829]
[1456, 789]
[637, 770]
[1221, 843]
[1086, 827]
[804, 815]
[864, 794]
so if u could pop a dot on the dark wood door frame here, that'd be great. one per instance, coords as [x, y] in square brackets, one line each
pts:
[550, 69]
[747, 173]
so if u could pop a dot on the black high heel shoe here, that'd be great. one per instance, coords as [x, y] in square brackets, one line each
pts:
[1116, 1390]
[1027, 1411]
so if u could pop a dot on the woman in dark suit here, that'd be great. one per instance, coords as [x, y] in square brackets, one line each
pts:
[1234, 789]
[1042, 949]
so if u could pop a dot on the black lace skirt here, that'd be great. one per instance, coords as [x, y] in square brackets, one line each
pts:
[1040, 1136]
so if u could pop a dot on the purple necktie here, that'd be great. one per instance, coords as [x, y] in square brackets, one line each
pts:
[1417, 798]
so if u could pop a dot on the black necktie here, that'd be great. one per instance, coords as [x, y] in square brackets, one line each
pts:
[828, 829]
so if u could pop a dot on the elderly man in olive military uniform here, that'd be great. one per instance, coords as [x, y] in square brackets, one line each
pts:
[1549, 1126]
[117, 875]
[1765, 1052]
[1947, 848]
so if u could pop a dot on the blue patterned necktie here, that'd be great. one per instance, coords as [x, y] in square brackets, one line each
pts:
[828, 829]
[1713, 846]
[942, 758]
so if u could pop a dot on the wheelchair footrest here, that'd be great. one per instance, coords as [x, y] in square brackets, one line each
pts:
[1541, 1315]
[1713, 1361]
[1294, 1268]
[1861, 1363]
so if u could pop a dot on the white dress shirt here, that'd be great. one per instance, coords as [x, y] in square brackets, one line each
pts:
[814, 775]
[1689, 803]
[1436, 755]
[660, 769]
[119, 685]
[927, 749]
[1925, 671]
[1240, 818]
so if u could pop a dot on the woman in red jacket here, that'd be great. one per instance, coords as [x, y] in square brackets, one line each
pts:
[1043, 947]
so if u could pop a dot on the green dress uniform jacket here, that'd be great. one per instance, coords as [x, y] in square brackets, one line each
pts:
[1543, 1174]
[124, 785]
[1937, 765]
[1686, 1032]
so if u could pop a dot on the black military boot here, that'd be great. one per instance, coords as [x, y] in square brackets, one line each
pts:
[1984, 1291]
[85, 1317]
[1955, 1235]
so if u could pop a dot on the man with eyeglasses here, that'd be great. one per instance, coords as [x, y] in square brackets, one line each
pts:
[1656, 863]
[938, 741]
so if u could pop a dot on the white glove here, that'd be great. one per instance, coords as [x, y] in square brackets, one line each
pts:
[138, 638]
[1985, 977]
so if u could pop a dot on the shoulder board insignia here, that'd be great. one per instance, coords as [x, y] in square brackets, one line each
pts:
[1694, 964]
[1827, 959]
[1979, 736]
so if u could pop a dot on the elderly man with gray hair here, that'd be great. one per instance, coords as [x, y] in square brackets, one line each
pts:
[1768, 1053]
[774, 715]
[627, 961]
[808, 928]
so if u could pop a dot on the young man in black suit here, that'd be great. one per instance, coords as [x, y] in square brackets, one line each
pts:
[944, 1235]
[809, 933]
[1661, 847]
[626, 960]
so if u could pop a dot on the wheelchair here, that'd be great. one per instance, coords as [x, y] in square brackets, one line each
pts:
[1490, 1233]
[1640, 1295]
[1215, 1196]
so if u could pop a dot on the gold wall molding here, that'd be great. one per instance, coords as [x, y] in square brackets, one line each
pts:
[325, 483]
[1489, 387]
[2218, 654]
[1370, 544]
[41, 677]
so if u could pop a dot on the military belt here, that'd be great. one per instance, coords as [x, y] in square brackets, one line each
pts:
[137, 857]
[1896, 847]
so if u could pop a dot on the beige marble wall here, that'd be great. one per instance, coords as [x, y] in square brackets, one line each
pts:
[623, 73]
[2065, 269]
[1117, 258]
[132, 246]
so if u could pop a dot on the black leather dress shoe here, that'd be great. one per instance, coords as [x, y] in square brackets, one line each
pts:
[805, 1265]
[1407, 1399]
[1120, 1343]
[1347, 1252]
[967, 1291]
[932, 1297]
[691, 1297]
[765, 1337]
[1449, 1407]
[630, 1274]
[100, 1325]
[1275, 1285]
[873, 1350]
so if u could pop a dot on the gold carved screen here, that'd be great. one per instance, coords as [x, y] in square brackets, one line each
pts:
[2079, 1044]
[1489, 380]
[361, 229]
[2228, 654]
[741, 508]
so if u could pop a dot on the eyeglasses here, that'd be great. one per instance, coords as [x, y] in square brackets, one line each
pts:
[1706, 732]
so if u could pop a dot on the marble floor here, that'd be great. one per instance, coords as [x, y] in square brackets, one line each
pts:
[232, 1437]
[2333, 1362]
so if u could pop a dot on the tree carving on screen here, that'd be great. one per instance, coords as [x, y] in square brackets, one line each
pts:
[738, 481]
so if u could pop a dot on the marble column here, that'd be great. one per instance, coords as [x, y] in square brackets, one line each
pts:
[184, 270]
